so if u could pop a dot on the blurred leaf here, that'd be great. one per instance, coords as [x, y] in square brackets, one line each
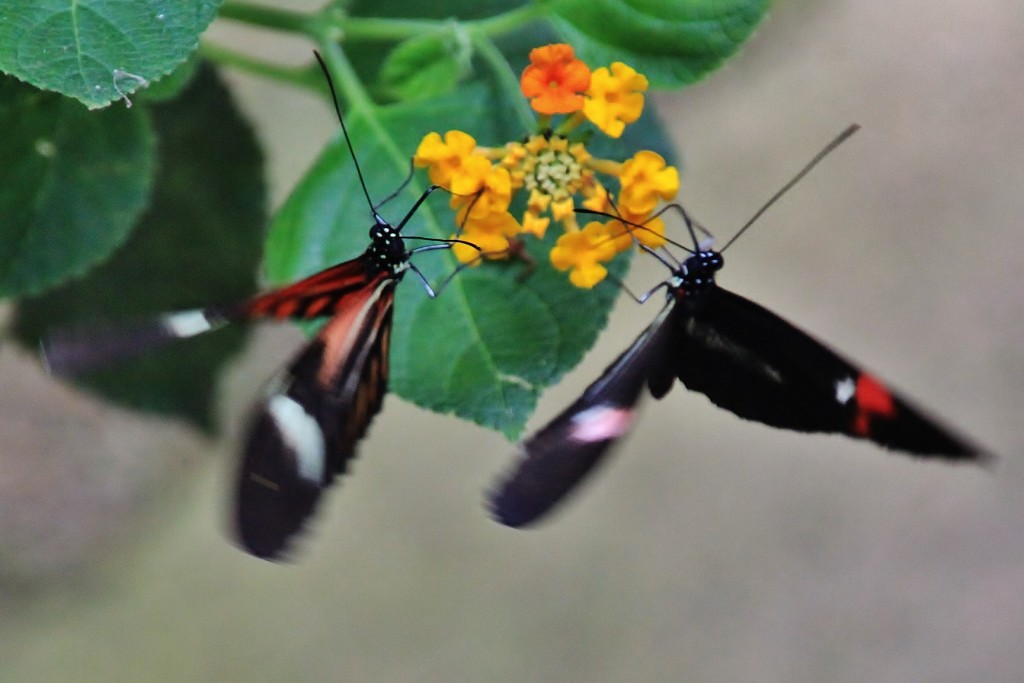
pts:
[489, 344]
[367, 56]
[72, 184]
[198, 244]
[169, 86]
[424, 67]
[98, 51]
[672, 42]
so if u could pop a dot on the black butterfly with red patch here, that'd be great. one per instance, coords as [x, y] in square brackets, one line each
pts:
[306, 429]
[745, 359]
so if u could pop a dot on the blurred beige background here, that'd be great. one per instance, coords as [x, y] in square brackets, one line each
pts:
[710, 549]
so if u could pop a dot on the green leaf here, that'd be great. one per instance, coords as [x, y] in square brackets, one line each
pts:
[72, 184]
[488, 345]
[672, 42]
[425, 67]
[486, 350]
[198, 244]
[98, 51]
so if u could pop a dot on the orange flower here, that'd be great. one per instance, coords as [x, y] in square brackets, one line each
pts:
[555, 79]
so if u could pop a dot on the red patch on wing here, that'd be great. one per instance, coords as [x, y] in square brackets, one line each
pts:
[316, 295]
[873, 400]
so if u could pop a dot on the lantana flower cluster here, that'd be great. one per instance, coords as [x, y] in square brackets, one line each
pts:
[554, 171]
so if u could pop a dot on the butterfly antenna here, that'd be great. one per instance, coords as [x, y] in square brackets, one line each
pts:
[398, 190]
[344, 130]
[689, 224]
[674, 264]
[631, 224]
[826, 150]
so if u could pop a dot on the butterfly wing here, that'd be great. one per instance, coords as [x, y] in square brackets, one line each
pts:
[73, 351]
[750, 361]
[306, 431]
[560, 455]
[317, 296]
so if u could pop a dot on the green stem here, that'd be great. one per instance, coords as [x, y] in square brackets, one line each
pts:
[509, 21]
[379, 28]
[360, 104]
[570, 123]
[345, 77]
[506, 78]
[302, 76]
[376, 28]
[330, 26]
[372, 28]
[267, 17]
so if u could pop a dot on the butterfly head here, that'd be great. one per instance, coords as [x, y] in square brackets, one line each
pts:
[387, 248]
[697, 274]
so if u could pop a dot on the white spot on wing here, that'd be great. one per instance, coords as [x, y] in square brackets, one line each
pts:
[845, 389]
[600, 423]
[187, 323]
[301, 434]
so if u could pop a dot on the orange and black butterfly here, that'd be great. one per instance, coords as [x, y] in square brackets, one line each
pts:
[306, 429]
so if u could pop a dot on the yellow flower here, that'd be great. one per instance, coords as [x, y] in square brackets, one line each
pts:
[582, 252]
[555, 79]
[491, 233]
[615, 98]
[649, 232]
[645, 178]
[551, 172]
[533, 222]
[563, 210]
[599, 200]
[467, 254]
[444, 159]
[468, 176]
[482, 190]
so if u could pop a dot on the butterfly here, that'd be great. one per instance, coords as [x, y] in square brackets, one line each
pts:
[744, 358]
[306, 428]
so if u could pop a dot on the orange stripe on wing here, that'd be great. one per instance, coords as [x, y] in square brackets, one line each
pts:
[317, 294]
[356, 325]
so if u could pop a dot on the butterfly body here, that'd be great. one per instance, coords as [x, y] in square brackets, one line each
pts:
[743, 358]
[305, 430]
